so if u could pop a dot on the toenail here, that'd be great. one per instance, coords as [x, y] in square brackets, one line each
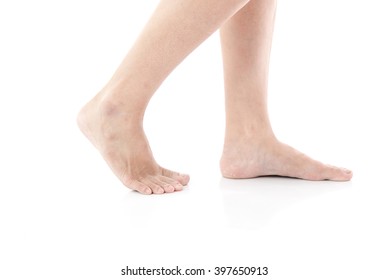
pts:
[147, 191]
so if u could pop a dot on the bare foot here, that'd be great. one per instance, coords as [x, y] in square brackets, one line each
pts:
[124, 146]
[250, 159]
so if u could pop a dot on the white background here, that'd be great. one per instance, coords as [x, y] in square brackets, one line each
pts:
[63, 215]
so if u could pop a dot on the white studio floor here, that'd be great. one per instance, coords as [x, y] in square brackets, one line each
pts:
[63, 215]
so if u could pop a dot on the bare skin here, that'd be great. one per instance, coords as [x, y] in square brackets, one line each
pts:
[113, 119]
[251, 148]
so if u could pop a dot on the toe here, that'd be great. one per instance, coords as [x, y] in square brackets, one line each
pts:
[338, 174]
[346, 174]
[167, 187]
[169, 184]
[156, 188]
[139, 187]
[183, 179]
[178, 187]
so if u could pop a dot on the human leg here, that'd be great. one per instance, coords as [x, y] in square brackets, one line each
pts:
[113, 119]
[251, 148]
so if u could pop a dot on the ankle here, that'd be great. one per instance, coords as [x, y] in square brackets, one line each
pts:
[248, 135]
[112, 106]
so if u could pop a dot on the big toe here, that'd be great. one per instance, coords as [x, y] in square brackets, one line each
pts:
[338, 174]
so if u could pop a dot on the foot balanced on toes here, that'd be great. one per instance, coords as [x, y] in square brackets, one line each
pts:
[125, 148]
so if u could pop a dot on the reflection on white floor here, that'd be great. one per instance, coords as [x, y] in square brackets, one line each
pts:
[238, 204]
[253, 203]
